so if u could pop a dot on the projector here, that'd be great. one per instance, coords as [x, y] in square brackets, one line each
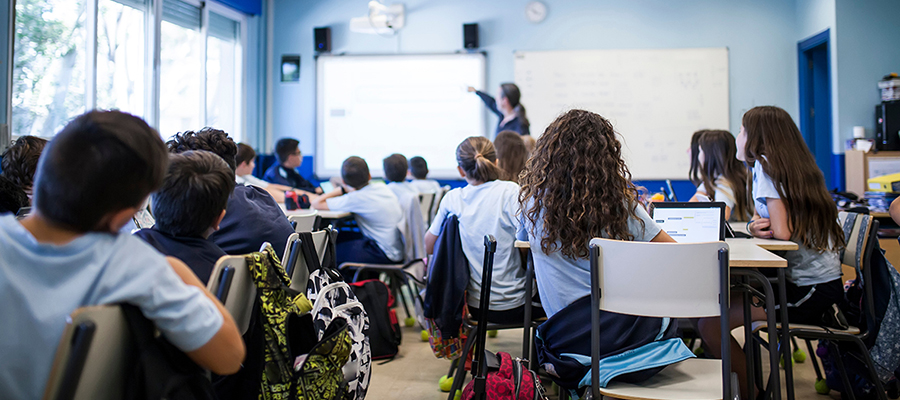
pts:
[382, 20]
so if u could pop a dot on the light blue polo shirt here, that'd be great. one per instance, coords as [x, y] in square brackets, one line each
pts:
[42, 284]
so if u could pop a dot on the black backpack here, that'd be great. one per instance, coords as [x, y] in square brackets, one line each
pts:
[384, 329]
[161, 371]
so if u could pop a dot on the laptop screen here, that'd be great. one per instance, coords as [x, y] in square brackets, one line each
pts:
[691, 222]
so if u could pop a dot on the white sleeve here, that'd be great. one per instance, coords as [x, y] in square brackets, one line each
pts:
[341, 203]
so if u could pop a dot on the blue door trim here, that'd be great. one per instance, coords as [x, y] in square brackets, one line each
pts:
[833, 172]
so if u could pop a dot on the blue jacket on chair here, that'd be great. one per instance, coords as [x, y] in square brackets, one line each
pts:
[445, 292]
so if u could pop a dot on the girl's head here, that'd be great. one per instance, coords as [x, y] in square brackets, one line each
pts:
[717, 158]
[477, 160]
[770, 138]
[694, 173]
[508, 100]
[511, 154]
[577, 185]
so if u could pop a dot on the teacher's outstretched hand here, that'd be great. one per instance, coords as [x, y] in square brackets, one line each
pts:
[507, 107]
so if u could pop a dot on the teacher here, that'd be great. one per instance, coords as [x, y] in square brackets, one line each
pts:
[511, 113]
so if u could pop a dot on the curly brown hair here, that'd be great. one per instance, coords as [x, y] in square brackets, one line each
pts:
[20, 160]
[577, 183]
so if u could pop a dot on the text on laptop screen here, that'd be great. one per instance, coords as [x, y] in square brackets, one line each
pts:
[690, 225]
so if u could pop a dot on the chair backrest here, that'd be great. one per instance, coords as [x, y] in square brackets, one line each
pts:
[230, 281]
[426, 201]
[681, 280]
[93, 357]
[437, 201]
[857, 229]
[299, 271]
[412, 229]
[304, 222]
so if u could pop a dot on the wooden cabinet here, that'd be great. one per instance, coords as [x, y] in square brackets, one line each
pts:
[860, 166]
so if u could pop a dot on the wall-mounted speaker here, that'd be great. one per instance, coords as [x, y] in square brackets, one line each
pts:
[470, 36]
[323, 39]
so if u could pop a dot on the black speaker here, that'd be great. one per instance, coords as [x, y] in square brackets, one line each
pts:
[323, 39]
[470, 36]
[887, 125]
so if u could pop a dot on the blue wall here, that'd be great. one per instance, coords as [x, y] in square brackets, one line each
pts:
[760, 36]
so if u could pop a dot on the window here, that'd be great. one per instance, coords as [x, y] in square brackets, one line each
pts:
[223, 75]
[48, 65]
[121, 55]
[180, 69]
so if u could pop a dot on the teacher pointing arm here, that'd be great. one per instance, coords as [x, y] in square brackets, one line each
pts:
[507, 107]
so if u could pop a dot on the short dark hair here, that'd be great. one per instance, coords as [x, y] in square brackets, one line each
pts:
[355, 172]
[395, 167]
[101, 162]
[12, 197]
[193, 194]
[21, 159]
[284, 148]
[418, 167]
[209, 139]
[245, 153]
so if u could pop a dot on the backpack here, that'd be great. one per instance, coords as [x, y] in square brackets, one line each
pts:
[384, 330]
[333, 299]
[161, 371]
[298, 364]
[507, 379]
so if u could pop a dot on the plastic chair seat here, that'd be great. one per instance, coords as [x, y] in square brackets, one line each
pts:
[696, 379]
[761, 325]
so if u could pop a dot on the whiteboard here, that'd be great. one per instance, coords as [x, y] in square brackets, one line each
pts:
[656, 99]
[415, 105]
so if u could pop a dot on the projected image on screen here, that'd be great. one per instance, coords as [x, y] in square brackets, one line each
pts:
[374, 106]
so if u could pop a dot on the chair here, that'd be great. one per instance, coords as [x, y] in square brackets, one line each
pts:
[305, 222]
[437, 201]
[663, 280]
[294, 262]
[426, 202]
[82, 370]
[231, 283]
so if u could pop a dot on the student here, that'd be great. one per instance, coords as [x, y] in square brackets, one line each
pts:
[486, 205]
[252, 216]
[511, 112]
[20, 161]
[246, 162]
[693, 151]
[529, 144]
[577, 187]
[791, 203]
[12, 197]
[418, 168]
[93, 177]
[284, 172]
[511, 155]
[377, 211]
[190, 206]
[395, 167]
[723, 177]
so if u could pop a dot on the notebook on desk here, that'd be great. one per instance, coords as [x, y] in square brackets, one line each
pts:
[691, 222]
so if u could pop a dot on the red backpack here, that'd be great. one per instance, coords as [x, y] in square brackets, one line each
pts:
[507, 378]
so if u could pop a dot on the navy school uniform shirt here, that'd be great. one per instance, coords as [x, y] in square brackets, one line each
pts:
[515, 125]
[198, 253]
[288, 177]
[251, 218]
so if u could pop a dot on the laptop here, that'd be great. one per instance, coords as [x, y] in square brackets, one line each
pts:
[691, 222]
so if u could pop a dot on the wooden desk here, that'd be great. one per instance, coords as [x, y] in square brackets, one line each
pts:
[768, 244]
[325, 214]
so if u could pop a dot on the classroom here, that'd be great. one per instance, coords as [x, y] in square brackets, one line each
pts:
[436, 199]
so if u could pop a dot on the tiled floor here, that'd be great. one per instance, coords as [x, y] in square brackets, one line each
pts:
[414, 373]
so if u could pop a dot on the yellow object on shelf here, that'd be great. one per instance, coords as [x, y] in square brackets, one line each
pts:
[885, 183]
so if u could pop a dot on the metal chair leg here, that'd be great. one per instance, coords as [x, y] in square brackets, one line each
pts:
[461, 365]
[848, 390]
[815, 361]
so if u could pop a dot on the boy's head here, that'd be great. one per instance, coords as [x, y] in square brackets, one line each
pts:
[194, 194]
[287, 151]
[12, 197]
[355, 172]
[21, 159]
[100, 167]
[245, 160]
[395, 167]
[209, 139]
[418, 167]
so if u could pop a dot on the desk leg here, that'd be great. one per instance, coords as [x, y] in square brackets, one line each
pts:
[529, 288]
[785, 336]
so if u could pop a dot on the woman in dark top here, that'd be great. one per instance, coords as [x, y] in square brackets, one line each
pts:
[507, 107]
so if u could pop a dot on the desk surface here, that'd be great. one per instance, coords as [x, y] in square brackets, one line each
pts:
[768, 244]
[325, 214]
[742, 253]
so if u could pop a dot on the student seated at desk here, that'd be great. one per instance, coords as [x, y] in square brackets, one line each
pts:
[243, 174]
[284, 171]
[190, 206]
[723, 177]
[418, 168]
[486, 205]
[377, 213]
[395, 167]
[20, 161]
[791, 203]
[252, 216]
[576, 187]
[68, 254]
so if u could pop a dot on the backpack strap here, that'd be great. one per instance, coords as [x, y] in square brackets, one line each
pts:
[311, 256]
